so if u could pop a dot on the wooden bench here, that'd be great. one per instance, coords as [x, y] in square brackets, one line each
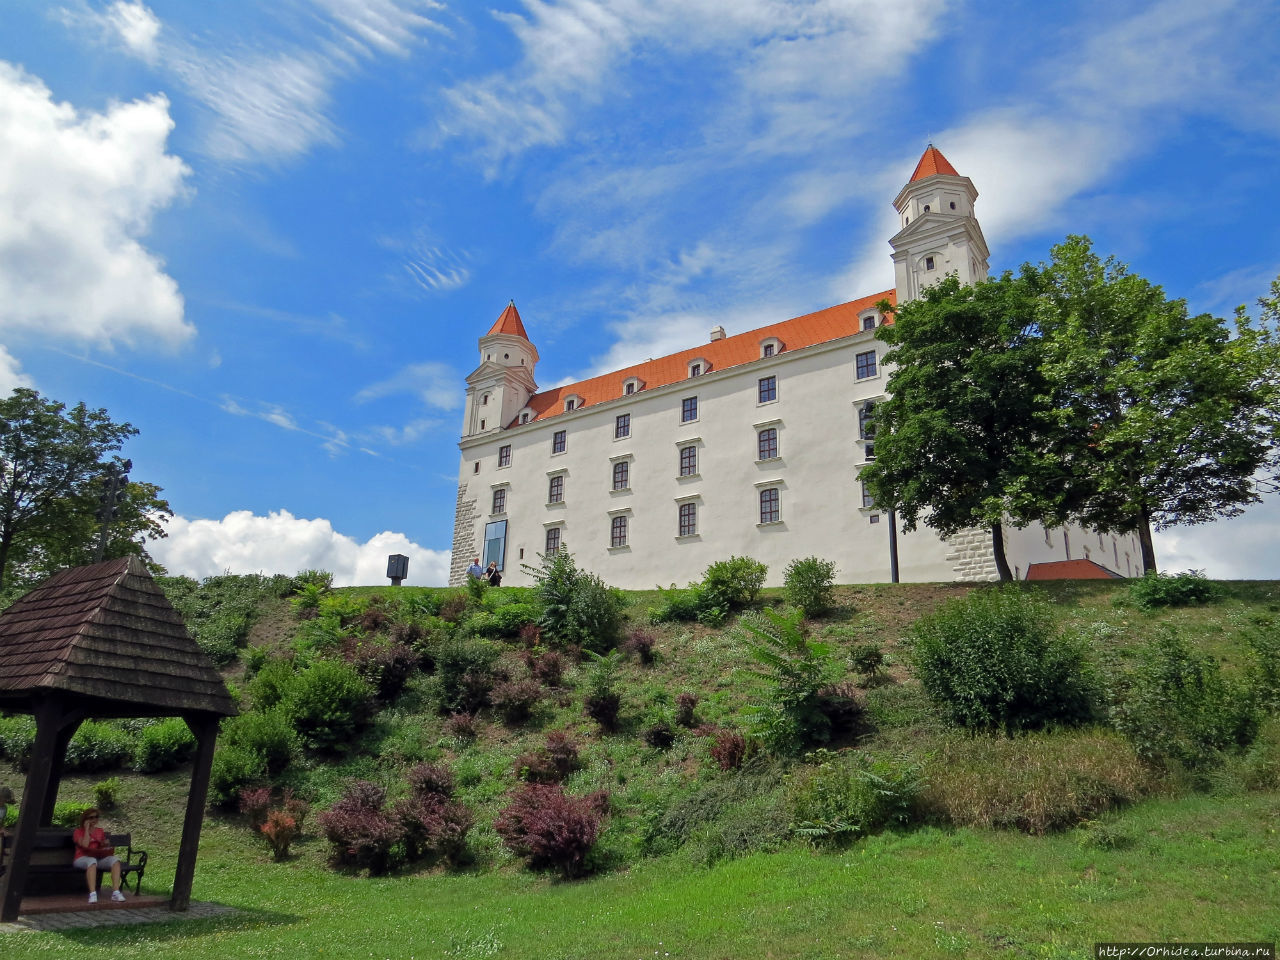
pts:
[50, 869]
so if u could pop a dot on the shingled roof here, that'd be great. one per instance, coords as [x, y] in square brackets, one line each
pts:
[108, 633]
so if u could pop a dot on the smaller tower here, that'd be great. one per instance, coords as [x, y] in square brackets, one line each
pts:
[503, 383]
[938, 234]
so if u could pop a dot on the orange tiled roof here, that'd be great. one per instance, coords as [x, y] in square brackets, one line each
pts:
[1070, 570]
[833, 323]
[932, 162]
[509, 322]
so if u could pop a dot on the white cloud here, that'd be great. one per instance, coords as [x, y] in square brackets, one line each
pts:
[11, 375]
[1242, 548]
[242, 542]
[435, 384]
[78, 192]
[269, 98]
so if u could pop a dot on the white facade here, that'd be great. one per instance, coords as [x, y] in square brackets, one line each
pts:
[647, 490]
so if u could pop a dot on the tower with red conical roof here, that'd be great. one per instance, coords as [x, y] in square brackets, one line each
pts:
[504, 381]
[938, 234]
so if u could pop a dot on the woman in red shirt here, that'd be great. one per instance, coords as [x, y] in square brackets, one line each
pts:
[94, 852]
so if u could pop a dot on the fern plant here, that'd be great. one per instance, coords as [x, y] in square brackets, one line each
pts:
[792, 672]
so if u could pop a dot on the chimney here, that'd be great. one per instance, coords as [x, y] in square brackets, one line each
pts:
[717, 333]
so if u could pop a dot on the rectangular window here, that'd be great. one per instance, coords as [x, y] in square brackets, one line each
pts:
[869, 452]
[868, 323]
[769, 505]
[767, 389]
[622, 426]
[695, 370]
[866, 421]
[631, 388]
[621, 475]
[688, 461]
[867, 502]
[768, 350]
[618, 532]
[499, 500]
[553, 540]
[557, 442]
[495, 543]
[866, 364]
[688, 519]
[688, 409]
[555, 490]
[768, 444]
[504, 456]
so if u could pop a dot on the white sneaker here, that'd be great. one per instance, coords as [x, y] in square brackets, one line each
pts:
[93, 897]
[117, 896]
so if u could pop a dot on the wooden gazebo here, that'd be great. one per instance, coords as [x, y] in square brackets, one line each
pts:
[103, 641]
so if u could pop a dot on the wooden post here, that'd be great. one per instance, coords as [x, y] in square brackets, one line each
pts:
[205, 729]
[68, 725]
[48, 714]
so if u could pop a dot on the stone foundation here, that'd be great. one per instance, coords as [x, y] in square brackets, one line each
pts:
[971, 556]
[464, 537]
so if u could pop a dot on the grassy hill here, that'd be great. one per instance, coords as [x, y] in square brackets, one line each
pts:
[1027, 846]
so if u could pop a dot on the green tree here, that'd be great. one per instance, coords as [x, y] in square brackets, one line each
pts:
[964, 409]
[1159, 417]
[51, 464]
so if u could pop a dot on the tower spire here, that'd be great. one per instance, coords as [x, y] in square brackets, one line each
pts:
[509, 323]
[932, 162]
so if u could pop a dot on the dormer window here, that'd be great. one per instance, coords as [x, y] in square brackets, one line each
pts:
[569, 404]
[698, 366]
[573, 402]
[695, 370]
[630, 389]
[632, 385]
[869, 322]
[770, 346]
[524, 418]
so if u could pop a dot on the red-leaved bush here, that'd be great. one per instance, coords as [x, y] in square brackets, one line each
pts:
[686, 704]
[361, 832]
[280, 830]
[433, 827]
[254, 803]
[461, 725]
[431, 779]
[386, 667]
[638, 643]
[547, 667]
[551, 829]
[515, 699]
[551, 763]
[729, 750]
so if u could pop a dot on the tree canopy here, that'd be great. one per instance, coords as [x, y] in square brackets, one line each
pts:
[53, 461]
[1074, 391]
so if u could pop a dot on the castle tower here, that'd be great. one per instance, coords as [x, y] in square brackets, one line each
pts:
[503, 383]
[938, 233]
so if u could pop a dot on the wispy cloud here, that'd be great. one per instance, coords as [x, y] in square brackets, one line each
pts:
[269, 101]
[429, 268]
[435, 384]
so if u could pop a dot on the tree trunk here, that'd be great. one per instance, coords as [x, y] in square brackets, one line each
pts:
[997, 547]
[1148, 548]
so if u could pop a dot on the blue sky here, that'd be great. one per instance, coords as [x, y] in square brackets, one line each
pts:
[268, 235]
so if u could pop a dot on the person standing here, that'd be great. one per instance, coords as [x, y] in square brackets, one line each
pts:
[93, 853]
[475, 570]
[492, 575]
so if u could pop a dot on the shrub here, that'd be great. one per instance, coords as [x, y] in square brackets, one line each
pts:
[807, 584]
[253, 658]
[280, 830]
[98, 746]
[106, 793]
[17, 739]
[1173, 590]
[846, 796]
[434, 824]
[461, 725]
[476, 587]
[1177, 707]
[792, 674]
[384, 666]
[734, 583]
[515, 699]
[511, 618]
[995, 660]
[234, 769]
[361, 833]
[686, 704]
[464, 675]
[272, 683]
[601, 701]
[549, 828]
[551, 763]
[67, 813]
[678, 606]
[867, 660]
[318, 578]
[268, 733]
[219, 610]
[578, 608]
[1263, 641]
[255, 802]
[729, 749]
[639, 644]
[1034, 782]
[453, 607]
[546, 667]
[660, 735]
[710, 815]
[163, 746]
[329, 704]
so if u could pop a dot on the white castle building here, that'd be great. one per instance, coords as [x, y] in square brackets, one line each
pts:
[748, 444]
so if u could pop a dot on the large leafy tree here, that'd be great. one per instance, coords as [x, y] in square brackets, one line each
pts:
[52, 465]
[966, 401]
[1160, 417]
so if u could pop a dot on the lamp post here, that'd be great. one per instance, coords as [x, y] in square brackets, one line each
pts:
[117, 475]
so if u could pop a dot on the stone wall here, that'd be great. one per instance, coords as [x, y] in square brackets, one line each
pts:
[464, 537]
[972, 557]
